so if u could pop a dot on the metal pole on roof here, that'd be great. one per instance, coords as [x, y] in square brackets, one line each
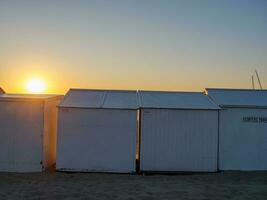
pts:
[258, 78]
[252, 79]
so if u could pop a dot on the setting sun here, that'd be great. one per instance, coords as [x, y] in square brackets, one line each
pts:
[36, 86]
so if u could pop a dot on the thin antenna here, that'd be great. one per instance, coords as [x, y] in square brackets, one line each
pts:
[258, 78]
[252, 78]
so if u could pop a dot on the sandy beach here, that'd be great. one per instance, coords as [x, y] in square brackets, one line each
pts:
[56, 185]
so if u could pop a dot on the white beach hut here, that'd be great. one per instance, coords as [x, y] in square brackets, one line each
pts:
[243, 128]
[27, 132]
[178, 132]
[97, 131]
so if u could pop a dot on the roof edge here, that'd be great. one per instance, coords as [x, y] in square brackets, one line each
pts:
[243, 106]
[235, 89]
[184, 108]
[106, 108]
[190, 92]
[29, 98]
[100, 90]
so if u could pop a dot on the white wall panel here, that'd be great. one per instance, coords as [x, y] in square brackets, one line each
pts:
[243, 145]
[21, 125]
[102, 140]
[179, 140]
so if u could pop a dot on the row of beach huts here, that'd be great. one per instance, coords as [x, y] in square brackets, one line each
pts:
[134, 131]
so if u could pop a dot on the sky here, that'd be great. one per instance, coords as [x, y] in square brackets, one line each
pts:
[132, 44]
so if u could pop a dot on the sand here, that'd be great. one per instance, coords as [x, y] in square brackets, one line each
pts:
[215, 186]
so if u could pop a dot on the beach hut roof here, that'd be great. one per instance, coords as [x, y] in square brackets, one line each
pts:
[25, 97]
[238, 97]
[176, 100]
[92, 98]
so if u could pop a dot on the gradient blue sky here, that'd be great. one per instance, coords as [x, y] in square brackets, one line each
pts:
[149, 44]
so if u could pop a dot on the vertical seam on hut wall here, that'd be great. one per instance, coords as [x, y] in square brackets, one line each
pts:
[56, 124]
[218, 140]
[139, 142]
[138, 166]
[59, 109]
[43, 135]
[13, 142]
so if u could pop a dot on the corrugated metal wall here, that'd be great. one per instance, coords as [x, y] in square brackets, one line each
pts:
[21, 136]
[243, 142]
[102, 140]
[179, 140]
